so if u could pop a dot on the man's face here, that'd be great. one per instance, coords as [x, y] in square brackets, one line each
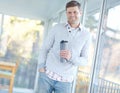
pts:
[73, 15]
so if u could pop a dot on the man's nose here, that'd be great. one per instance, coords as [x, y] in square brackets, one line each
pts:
[72, 14]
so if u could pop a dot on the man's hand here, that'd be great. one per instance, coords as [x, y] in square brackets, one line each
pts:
[65, 54]
[42, 70]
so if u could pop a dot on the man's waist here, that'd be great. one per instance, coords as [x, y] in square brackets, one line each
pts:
[57, 77]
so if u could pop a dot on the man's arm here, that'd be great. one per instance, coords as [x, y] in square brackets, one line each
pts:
[46, 46]
[82, 59]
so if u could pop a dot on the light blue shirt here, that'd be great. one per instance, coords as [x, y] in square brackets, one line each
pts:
[78, 43]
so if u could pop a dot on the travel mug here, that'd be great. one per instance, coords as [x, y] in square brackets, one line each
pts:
[63, 46]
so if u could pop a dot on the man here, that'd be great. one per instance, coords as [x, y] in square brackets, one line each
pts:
[55, 75]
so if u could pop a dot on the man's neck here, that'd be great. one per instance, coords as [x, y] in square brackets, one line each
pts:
[75, 25]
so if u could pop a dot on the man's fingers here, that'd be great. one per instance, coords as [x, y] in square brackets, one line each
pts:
[42, 70]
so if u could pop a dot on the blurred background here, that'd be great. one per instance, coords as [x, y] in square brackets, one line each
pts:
[24, 24]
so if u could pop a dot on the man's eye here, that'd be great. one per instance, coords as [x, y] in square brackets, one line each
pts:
[75, 12]
[69, 12]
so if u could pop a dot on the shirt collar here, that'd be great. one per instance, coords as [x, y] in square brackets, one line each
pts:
[67, 25]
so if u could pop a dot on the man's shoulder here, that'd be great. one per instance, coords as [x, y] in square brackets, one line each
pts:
[86, 31]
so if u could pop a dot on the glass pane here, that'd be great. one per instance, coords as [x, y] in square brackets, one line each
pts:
[106, 72]
[113, 20]
[63, 17]
[23, 39]
[109, 77]
[0, 22]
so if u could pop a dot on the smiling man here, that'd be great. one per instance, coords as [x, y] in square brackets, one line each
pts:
[56, 75]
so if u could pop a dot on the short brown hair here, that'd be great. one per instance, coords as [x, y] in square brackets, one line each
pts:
[72, 4]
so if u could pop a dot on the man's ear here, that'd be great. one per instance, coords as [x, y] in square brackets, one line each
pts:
[80, 12]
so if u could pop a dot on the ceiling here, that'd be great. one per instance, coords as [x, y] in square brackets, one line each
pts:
[36, 9]
[41, 9]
